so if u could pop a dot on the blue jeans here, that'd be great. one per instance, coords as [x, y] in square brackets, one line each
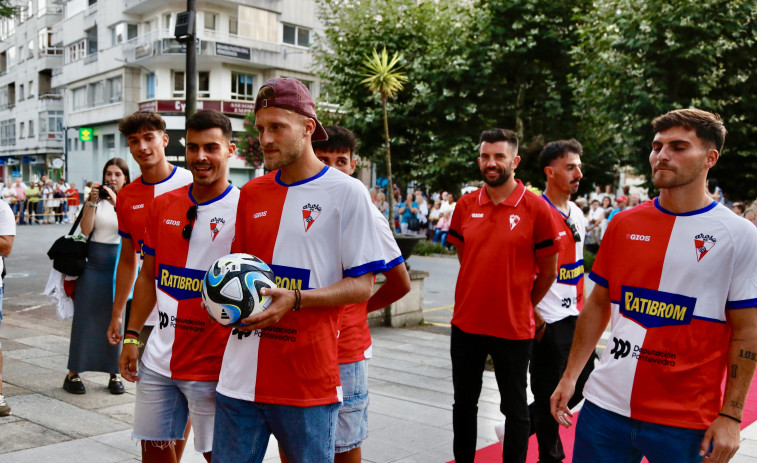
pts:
[606, 437]
[440, 236]
[242, 429]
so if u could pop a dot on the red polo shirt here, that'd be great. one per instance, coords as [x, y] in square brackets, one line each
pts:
[498, 267]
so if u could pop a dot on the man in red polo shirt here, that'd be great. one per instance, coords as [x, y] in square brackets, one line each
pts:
[506, 241]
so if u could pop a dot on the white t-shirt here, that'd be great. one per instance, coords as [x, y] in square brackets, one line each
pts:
[106, 224]
[7, 226]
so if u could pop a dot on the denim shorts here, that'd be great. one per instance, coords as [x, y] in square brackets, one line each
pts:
[242, 430]
[603, 436]
[2, 292]
[352, 424]
[163, 405]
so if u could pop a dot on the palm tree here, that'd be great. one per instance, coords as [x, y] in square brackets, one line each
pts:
[383, 76]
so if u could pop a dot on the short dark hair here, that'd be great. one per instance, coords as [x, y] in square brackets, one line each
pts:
[121, 164]
[708, 126]
[141, 120]
[557, 149]
[210, 119]
[339, 139]
[496, 135]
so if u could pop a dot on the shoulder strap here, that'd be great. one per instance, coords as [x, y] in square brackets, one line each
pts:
[78, 219]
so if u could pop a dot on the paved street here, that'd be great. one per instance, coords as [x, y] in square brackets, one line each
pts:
[409, 378]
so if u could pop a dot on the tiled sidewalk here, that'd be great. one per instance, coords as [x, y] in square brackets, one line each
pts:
[410, 411]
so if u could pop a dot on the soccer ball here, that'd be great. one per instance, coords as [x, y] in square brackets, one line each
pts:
[231, 288]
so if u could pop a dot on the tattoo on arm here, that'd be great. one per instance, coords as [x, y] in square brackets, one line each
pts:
[737, 405]
[749, 355]
[734, 371]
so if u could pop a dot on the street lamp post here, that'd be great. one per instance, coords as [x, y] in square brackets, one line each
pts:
[185, 33]
[191, 95]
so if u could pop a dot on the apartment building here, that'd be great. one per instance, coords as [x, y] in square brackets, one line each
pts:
[113, 57]
[31, 110]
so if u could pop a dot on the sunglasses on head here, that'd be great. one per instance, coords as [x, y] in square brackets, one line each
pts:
[186, 233]
[576, 235]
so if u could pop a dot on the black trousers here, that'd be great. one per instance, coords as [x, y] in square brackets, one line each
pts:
[468, 352]
[550, 357]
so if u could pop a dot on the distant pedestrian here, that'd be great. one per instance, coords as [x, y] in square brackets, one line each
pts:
[7, 235]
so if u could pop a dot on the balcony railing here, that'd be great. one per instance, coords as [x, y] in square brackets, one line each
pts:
[161, 42]
[50, 51]
[90, 58]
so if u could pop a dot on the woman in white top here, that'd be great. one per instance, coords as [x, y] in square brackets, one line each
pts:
[93, 301]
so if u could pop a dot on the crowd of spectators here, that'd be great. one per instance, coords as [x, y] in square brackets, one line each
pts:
[41, 202]
[430, 215]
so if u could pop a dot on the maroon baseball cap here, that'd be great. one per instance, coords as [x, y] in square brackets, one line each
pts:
[293, 95]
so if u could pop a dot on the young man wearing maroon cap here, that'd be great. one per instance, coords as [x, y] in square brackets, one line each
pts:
[280, 373]
[503, 233]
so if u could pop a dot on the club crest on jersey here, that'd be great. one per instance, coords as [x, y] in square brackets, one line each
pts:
[310, 212]
[703, 243]
[514, 220]
[216, 224]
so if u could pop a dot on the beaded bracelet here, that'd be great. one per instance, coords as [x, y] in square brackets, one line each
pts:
[297, 300]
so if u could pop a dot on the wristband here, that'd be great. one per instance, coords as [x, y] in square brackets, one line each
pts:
[297, 300]
[731, 417]
[132, 332]
[133, 341]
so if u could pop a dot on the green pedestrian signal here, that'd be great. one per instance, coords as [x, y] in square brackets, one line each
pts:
[85, 134]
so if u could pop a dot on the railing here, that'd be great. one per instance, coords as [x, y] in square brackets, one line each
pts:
[90, 58]
[91, 10]
[51, 51]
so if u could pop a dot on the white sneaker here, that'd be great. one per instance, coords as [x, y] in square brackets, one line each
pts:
[499, 430]
[5, 409]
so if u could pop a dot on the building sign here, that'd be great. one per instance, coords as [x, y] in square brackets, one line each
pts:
[233, 51]
[85, 134]
[238, 107]
[178, 106]
[143, 50]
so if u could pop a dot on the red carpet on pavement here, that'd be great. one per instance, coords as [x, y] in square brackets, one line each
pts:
[493, 453]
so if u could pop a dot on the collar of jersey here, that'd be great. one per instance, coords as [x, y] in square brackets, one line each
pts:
[558, 210]
[301, 182]
[164, 180]
[684, 214]
[512, 200]
[217, 198]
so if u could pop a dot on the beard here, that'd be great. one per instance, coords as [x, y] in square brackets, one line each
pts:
[287, 154]
[504, 176]
[674, 176]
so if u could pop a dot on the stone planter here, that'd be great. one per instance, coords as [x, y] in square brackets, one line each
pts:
[407, 311]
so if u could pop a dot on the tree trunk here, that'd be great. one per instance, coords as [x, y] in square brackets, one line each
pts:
[389, 181]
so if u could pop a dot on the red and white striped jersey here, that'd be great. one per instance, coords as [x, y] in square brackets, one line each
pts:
[565, 296]
[313, 233]
[184, 343]
[132, 204]
[672, 278]
[354, 335]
